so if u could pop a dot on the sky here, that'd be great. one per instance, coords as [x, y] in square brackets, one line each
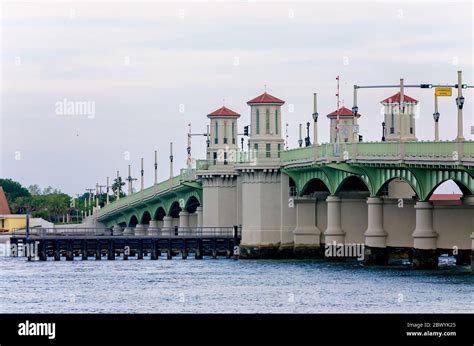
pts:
[148, 69]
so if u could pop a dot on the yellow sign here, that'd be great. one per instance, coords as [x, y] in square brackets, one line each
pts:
[444, 92]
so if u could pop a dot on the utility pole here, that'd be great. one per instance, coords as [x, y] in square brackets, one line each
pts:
[171, 161]
[401, 109]
[189, 161]
[460, 103]
[118, 185]
[436, 118]
[141, 175]
[156, 167]
[337, 117]
[108, 189]
[300, 140]
[130, 180]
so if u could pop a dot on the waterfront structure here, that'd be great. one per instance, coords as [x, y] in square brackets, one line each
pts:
[293, 203]
[342, 120]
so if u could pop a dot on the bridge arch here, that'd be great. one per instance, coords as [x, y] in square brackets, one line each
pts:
[145, 218]
[384, 187]
[313, 186]
[191, 204]
[353, 182]
[465, 190]
[133, 221]
[159, 213]
[175, 209]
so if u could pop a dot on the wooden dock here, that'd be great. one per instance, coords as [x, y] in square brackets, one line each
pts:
[170, 243]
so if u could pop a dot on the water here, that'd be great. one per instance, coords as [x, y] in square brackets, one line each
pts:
[244, 286]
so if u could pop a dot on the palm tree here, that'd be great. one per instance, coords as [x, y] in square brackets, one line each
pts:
[117, 186]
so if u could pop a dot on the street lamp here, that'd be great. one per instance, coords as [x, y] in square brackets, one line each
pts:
[383, 131]
[460, 101]
[355, 109]
[436, 119]
[307, 140]
[315, 118]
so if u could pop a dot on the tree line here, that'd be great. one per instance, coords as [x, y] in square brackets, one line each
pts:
[52, 204]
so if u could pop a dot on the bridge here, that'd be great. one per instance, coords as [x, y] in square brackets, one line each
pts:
[298, 203]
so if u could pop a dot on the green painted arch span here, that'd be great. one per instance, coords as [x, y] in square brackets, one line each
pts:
[340, 178]
[431, 179]
[383, 176]
[304, 179]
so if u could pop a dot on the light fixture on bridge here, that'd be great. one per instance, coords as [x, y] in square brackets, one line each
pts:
[315, 116]
[383, 131]
[355, 109]
[436, 116]
[460, 101]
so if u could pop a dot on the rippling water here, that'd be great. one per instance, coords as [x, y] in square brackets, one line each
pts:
[222, 285]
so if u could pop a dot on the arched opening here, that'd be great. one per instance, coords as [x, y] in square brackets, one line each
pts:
[145, 218]
[123, 224]
[175, 209]
[133, 221]
[292, 187]
[160, 213]
[449, 190]
[397, 188]
[353, 186]
[192, 204]
[315, 187]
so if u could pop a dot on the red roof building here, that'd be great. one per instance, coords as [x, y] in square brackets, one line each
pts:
[396, 99]
[4, 208]
[224, 112]
[446, 197]
[265, 98]
[343, 112]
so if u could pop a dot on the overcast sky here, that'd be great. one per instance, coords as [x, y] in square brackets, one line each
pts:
[151, 68]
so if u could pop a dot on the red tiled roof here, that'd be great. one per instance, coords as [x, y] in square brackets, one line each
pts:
[224, 112]
[4, 208]
[343, 112]
[446, 197]
[396, 99]
[265, 98]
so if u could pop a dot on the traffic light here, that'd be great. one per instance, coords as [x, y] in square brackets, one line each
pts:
[360, 138]
[464, 86]
[246, 130]
[426, 86]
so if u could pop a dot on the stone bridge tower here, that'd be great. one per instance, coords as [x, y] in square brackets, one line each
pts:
[399, 123]
[223, 135]
[266, 216]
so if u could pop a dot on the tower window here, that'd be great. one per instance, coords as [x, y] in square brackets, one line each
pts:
[268, 150]
[216, 135]
[276, 121]
[267, 122]
[233, 133]
[279, 149]
[225, 132]
[257, 123]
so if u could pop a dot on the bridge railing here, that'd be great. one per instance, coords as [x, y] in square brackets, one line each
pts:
[141, 195]
[365, 150]
[164, 232]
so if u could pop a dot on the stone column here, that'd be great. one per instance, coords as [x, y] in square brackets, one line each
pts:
[153, 229]
[424, 238]
[128, 231]
[183, 222]
[334, 230]
[199, 212]
[140, 230]
[167, 225]
[375, 235]
[117, 230]
[306, 234]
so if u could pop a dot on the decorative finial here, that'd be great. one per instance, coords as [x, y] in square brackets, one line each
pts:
[223, 102]
[265, 87]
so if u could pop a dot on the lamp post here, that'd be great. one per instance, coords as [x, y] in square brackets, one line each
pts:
[460, 103]
[315, 118]
[307, 139]
[436, 119]
[300, 140]
[383, 131]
